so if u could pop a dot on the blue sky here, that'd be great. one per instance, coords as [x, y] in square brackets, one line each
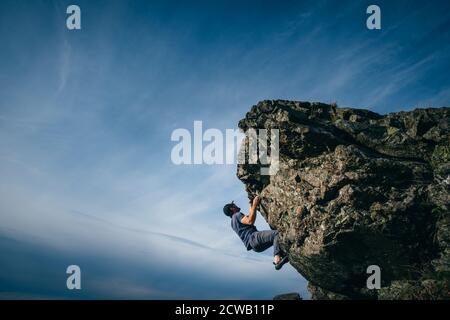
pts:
[86, 118]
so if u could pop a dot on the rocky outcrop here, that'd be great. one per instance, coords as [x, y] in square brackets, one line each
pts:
[354, 189]
[288, 296]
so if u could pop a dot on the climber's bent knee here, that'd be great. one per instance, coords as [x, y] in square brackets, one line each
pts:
[262, 240]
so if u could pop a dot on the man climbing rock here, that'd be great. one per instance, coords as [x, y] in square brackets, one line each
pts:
[253, 239]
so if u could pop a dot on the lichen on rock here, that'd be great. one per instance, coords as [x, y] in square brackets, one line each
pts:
[355, 188]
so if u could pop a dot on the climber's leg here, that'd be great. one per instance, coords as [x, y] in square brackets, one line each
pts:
[262, 240]
[276, 246]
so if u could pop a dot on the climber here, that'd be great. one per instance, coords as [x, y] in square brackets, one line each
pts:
[259, 241]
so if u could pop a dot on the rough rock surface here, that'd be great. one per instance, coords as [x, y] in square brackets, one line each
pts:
[354, 189]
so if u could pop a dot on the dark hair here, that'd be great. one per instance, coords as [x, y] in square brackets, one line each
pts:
[227, 209]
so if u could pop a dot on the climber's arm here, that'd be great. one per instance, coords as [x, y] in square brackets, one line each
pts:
[251, 217]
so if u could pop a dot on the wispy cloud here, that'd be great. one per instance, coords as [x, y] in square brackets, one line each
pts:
[64, 69]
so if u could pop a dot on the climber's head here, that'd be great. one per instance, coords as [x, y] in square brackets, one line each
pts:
[230, 208]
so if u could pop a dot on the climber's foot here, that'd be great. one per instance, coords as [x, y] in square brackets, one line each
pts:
[279, 261]
[276, 259]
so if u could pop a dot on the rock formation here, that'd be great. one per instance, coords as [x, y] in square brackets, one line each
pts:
[288, 296]
[354, 189]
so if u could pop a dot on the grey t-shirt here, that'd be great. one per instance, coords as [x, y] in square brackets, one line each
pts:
[244, 231]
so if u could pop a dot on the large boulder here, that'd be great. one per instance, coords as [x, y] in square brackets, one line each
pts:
[355, 188]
